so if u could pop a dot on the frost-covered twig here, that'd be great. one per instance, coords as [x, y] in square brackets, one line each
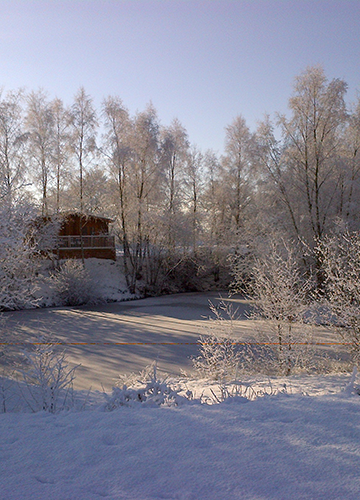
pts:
[49, 380]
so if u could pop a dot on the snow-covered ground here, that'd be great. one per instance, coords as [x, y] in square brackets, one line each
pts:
[285, 446]
[294, 438]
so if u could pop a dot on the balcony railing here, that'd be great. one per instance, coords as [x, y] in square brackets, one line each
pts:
[93, 241]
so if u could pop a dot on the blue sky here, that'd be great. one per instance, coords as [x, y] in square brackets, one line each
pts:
[203, 62]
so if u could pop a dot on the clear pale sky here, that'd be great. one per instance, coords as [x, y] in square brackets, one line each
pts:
[204, 62]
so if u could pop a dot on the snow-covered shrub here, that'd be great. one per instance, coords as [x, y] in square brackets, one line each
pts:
[340, 256]
[48, 379]
[241, 391]
[147, 389]
[223, 356]
[232, 391]
[219, 352]
[280, 299]
[73, 284]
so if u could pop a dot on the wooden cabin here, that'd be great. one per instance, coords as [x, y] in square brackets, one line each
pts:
[86, 235]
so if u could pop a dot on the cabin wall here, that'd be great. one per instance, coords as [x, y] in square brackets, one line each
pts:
[75, 225]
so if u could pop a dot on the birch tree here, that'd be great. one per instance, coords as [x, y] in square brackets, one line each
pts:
[61, 148]
[237, 166]
[117, 149]
[145, 178]
[40, 127]
[193, 190]
[83, 133]
[214, 199]
[312, 144]
[174, 146]
[12, 146]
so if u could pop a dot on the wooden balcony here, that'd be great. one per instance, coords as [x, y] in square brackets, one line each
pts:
[101, 246]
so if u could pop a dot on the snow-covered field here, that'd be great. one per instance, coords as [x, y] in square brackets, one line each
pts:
[286, 446]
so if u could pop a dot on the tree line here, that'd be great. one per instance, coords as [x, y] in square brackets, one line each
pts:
[177, 209]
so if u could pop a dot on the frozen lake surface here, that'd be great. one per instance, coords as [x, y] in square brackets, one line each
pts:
[123, 337]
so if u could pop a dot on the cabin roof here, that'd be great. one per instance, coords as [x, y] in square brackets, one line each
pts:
[87, 216]
[69, 214]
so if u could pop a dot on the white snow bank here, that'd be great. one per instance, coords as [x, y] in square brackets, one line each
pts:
[276, 447]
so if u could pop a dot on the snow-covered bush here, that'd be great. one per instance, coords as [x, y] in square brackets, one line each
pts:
[340, 256]
[280, 294]
[240, 391]
[48, 379]
[219, 352]
[73, 284]
[223, 356]
[147, 389]
[281, 298]
[231, 391]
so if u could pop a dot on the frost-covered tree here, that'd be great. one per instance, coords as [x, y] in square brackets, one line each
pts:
[312, 144]
[18, 262]
[117, 149]
[174, 145]
[144, 182]
[238, 171]
[193, 187]
[277, 200]
[83, 133]
[303, 177]
[40, 128]
[212, 200]
[12, 146]
[61, 149]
